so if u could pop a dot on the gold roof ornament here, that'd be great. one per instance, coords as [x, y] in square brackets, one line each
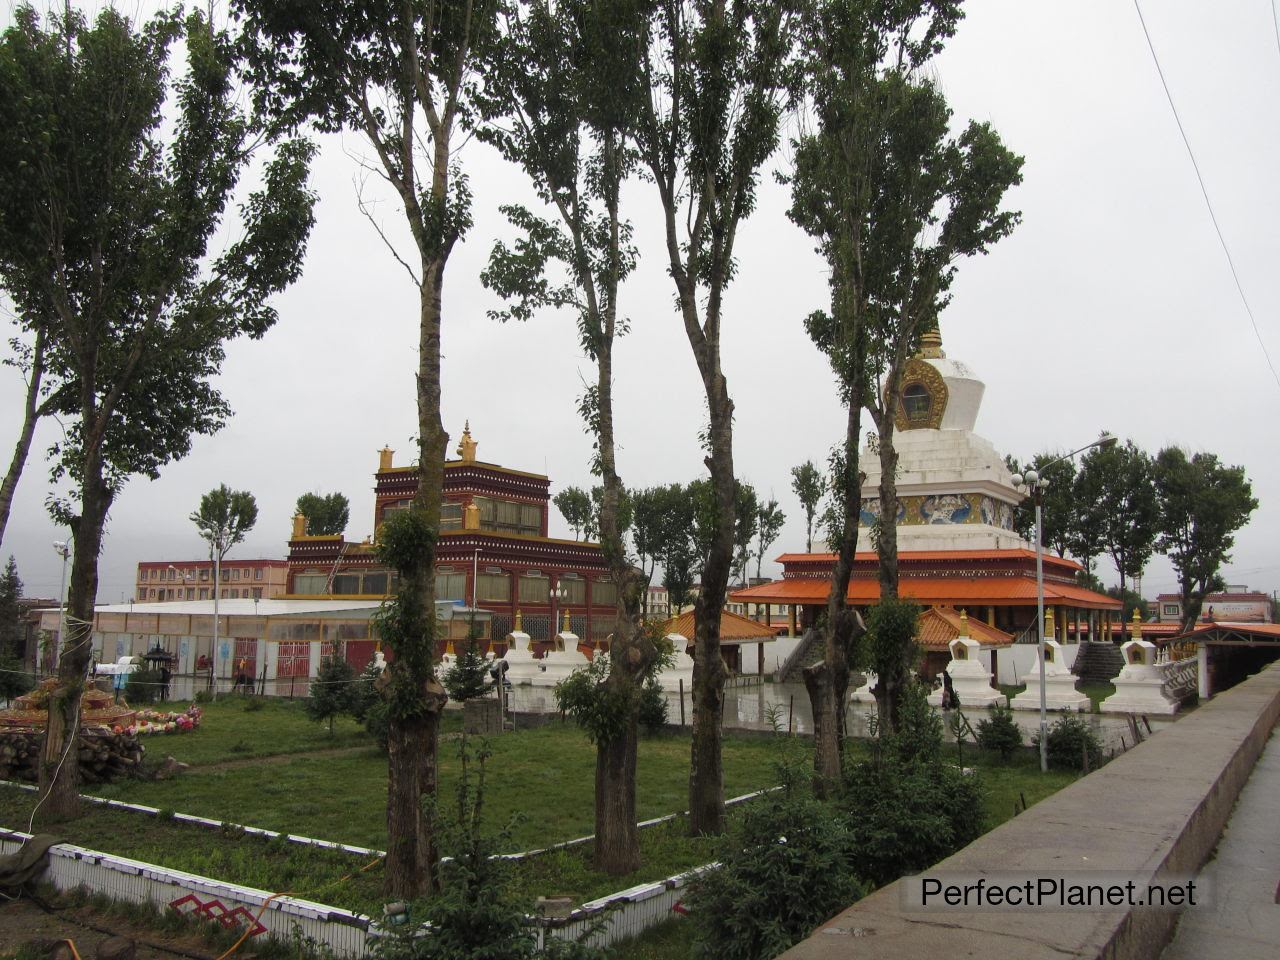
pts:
[964, 622]
[931, 345]
[1048, 623]
[566, 623]
[519, 628]
[386, 457]
[467, 446]
[1135, 625]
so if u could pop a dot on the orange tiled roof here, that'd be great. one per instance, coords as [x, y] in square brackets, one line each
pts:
[926, 556]
[940, 625]
[936, 591]
[734, 628]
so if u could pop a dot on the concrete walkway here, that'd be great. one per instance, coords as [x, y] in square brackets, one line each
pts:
[1243, 921]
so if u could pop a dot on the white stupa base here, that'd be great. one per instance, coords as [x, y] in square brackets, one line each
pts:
[521, 666]
[971, 682]
[1060, 693]
[1139, 696]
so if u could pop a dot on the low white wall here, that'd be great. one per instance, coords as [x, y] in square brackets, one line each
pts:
[1020, 658]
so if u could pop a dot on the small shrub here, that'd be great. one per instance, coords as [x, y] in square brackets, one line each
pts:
[377, 723]
[366, 694]
[14, 680]
[143, 686]
[785, 869]
[468, 677]
[254, 704]
[907, 808]
[1070, 740]
[203, 696]
[1000, 733]
[333, 692]
[653, 706]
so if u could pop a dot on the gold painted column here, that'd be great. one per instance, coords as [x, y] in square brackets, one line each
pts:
[791, 620]
[991, 616]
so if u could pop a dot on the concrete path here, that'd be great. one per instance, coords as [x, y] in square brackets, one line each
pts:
[1243, 922]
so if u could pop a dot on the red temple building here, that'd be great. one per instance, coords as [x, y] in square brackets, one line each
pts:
[493, 553]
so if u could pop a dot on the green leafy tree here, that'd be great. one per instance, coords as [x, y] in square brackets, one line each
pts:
[648, 529]
[333, 691]
[574, 505]
[568, 79]
[769, 521]
[326, 515]
[114, 182]
[1126, 501]
[1072, 745]
[1089, 527]
[716, 77]
[225, 518]
[404, 78]
[894, 202]
[1132, 601]
[1202, 503]
[747, 515]
[1059, 511]
[999, 733]
[808, 486]
[679, 556]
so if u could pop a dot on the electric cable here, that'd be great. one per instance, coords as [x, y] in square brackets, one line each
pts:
[1204, 191]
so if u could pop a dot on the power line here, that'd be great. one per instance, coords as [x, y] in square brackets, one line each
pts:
[1204, 191]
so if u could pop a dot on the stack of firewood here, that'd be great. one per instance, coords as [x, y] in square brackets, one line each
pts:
[103, 755]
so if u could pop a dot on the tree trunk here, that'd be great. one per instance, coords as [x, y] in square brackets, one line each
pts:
[413, 741]
[60, 772]
[30, 414]
[827, 682]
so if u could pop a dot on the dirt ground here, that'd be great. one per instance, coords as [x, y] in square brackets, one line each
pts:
[22, 921]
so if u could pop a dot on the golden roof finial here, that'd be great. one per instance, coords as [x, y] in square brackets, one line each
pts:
[566, 623]
[964, 622]
[1048, 623]
[519, 628]
[1135, 625]
[467, 446]
[931, 345]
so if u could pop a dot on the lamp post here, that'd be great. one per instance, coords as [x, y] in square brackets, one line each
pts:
[218, 544]
[62, 549]
[1034, 483]
[559, 593]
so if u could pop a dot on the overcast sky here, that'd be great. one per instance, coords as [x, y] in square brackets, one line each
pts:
[1111, 306]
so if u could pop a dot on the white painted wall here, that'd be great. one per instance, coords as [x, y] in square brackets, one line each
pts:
[1016, 660]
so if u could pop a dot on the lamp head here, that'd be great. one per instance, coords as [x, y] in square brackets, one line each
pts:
[1107, 439]
[61, 549]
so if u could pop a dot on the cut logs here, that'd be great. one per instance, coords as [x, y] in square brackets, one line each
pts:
[103, 755]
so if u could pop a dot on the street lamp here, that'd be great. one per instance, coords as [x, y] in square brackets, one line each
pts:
[559, 594]
[219, 544]
[1034, 482]
[62, 549]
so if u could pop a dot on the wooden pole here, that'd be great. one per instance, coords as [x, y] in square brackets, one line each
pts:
[682, 701]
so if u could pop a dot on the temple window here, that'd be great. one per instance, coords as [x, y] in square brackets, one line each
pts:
[309, 583]
[604, 593]
[493, 586]
[915, 403]
[345, 584]
[450, 585]
[509, 516]
[535, 588]
[575, 588]
[450, 516]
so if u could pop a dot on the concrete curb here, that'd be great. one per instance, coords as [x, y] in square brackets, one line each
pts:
[1155, 812]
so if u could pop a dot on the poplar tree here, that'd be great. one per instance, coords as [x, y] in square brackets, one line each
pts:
[561, 90]
[109, 203]
[894, 201]
[808, 486]
[717, 76]
[402, 76]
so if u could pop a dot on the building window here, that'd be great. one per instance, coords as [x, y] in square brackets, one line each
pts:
[1172, 610]
[346, 584]
[451, 586]
[375, 583]
[535, 588]
[235, 573]
[204, 573]
[257, 593]
[310, 583]
[257, 573]
[191, 593]
[575, 589]
[604, 593]
[915, 403]
[493, 586]
[509, 516]
[204, 593]
[451, 516]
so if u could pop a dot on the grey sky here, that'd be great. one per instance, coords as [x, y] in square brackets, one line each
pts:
[1111, 306]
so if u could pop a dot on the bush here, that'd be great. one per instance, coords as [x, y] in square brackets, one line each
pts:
[468, 677]
[653, 706]
[333, 692]
[366, 694]
[14, 681]
[785, 869]
[1070, 740]
[907, 808]
[143, 686]
[1000, 733]
[377, 723]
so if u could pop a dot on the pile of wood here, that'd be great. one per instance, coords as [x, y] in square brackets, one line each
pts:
[103, 755]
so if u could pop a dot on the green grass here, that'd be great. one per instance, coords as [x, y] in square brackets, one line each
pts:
[670, 940]
[1095, 690]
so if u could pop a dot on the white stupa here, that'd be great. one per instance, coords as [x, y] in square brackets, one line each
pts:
[954, 490]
